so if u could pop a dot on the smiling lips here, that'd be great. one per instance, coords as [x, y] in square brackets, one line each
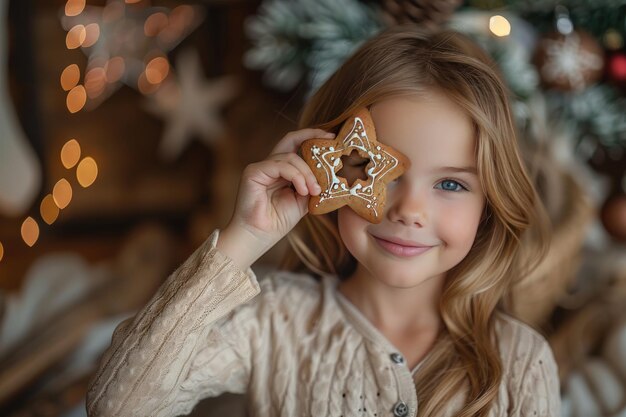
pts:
[400, 247]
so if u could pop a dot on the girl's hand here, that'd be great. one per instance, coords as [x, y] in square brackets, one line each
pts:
[273, 197]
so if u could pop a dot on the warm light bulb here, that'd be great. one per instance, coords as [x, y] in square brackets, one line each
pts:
[48, 209]
[76, 99]
[155, 23]
[499, 26]
[114, 69]
[62, 193]
[1, 251]
[92, 33]
[144, 86]
[70, 77]
[157, 69]
[74, 7]
[75, 37]
[30, 231]
[95, 82]
[70, 153]
[87, 172]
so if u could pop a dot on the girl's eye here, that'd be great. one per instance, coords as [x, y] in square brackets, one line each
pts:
[452, 185]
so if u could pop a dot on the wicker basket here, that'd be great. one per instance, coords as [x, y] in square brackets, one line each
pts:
[571, 212]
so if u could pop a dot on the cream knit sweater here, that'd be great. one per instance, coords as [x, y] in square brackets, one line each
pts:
[297, 346]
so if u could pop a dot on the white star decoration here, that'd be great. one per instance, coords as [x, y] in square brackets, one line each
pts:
[190, 105]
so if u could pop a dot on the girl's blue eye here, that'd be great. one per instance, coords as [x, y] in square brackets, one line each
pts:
[453, 186]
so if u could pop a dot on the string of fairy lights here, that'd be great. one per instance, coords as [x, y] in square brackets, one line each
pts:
[86, 168]
[126, 42]
[139, 61]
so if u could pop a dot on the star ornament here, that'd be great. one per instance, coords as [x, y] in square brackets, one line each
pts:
[190, 106]
[121, 39]
[366, 197]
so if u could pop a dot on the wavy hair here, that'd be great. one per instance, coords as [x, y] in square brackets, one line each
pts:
[514, 232]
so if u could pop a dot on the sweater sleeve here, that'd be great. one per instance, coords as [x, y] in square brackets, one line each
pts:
[175, 351]
[539, 394]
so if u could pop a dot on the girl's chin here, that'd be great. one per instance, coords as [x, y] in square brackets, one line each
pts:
[399, 279]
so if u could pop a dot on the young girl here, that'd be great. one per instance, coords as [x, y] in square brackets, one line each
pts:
[368, 326]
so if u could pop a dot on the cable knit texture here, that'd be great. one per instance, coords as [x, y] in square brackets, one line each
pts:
[296, 345]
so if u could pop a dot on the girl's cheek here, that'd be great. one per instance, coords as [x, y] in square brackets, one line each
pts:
[347, 225]
[457, 217]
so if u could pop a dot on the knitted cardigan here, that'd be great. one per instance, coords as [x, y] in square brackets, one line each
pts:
[294, 344]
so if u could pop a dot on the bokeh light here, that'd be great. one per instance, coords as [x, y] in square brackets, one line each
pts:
[95, 82]
[74, 7]
[87, 172]
[76, 99]
[114, 69]
[179, 19]
[62, 193]
[48, 209]
[70, 77]
[92, 33]
[155, 23]
[499, 26]
[70, 153]
[75, 37]
[30, 231]
[613, 39]
[157, 69]
[144, 86]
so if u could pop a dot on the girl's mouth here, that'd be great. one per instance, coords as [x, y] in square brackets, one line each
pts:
[400, 250]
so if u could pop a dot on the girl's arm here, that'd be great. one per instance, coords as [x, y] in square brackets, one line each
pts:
[176, 350]
[184, 345]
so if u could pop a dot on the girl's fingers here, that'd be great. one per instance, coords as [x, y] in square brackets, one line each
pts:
[302, 166]
[292, 140]
[275, 170]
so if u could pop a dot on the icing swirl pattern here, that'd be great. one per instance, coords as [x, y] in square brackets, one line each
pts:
[366, 197]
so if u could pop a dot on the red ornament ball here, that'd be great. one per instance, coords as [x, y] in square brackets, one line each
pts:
[613, 216]
[616, 67]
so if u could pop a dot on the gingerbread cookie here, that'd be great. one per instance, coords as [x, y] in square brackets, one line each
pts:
[365, 197]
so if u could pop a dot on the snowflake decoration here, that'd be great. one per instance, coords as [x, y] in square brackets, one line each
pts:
[566, 59]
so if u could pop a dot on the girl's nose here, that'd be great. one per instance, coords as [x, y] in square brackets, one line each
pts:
[407, 207]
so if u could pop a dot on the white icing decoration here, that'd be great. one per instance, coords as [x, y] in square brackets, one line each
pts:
[329, 160]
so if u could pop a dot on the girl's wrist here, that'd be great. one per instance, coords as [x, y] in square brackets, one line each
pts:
[240, 245]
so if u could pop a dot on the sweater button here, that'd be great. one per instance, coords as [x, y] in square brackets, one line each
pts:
[400, 409]
[397, 358]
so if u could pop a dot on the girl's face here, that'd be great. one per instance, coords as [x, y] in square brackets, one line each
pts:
[432, 204]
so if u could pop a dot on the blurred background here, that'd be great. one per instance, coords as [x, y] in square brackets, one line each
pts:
[124, 127]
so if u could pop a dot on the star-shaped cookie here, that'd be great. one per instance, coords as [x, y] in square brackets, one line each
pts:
[365, 197]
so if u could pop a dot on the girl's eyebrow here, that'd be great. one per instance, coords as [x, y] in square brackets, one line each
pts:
[470, 170]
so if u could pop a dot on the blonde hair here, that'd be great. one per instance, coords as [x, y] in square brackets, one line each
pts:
[513, 235]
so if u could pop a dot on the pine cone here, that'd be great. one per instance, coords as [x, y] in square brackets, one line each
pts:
[426, 13]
